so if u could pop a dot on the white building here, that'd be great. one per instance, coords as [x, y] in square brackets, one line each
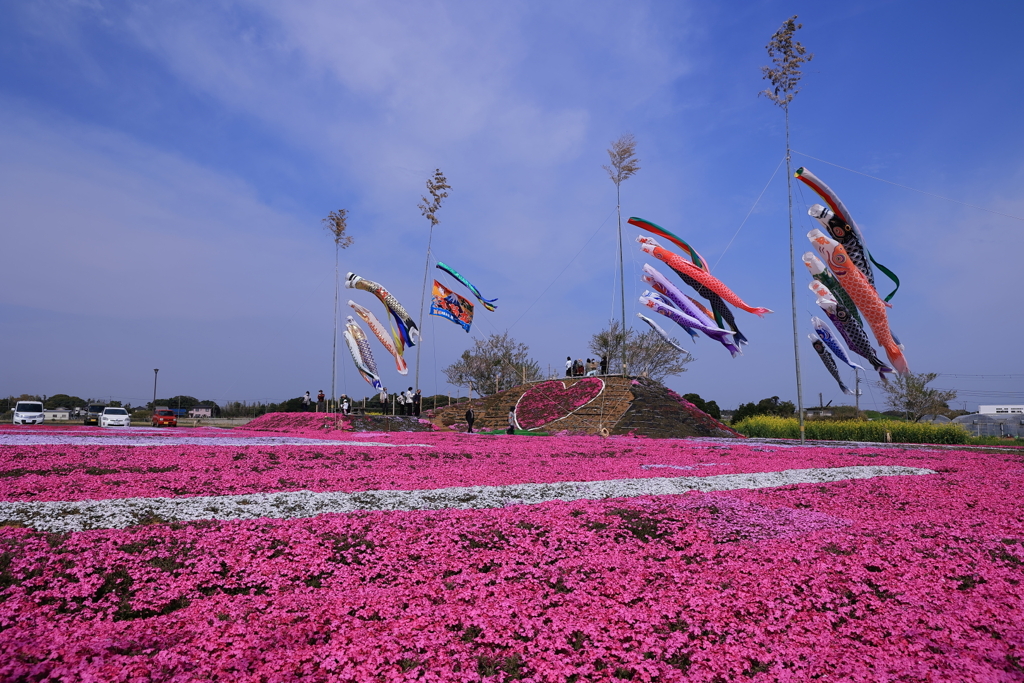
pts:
[56, 414]
[201, 411]
[1001, 410]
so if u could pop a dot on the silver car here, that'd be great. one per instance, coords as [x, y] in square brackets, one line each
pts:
[115, 417]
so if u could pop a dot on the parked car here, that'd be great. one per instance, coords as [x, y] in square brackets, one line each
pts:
[92, 415]
[165, 418]
[115, 417]
[28, 413]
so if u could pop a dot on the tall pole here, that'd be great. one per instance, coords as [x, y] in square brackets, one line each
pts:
[792, 284]
[423, 296]
[155, 371]
[334, 346]
[622, 280]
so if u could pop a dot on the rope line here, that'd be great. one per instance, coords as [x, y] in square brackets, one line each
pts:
[585, 245]
[913, 189]
[748, 213]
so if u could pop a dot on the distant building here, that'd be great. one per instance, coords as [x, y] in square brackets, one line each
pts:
[56, 414]
[201, 411]
[1001, 410]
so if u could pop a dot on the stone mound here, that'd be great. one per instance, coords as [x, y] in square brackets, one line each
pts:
[624, 405]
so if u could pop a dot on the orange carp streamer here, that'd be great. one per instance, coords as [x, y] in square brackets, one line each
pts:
[676, 262]
[863, 294]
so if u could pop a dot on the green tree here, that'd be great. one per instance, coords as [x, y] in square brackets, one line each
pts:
[709, 407]
[175, 402]
[64, 401]
[646, 354]
[911, 396]
[766, 406]
[494, 364]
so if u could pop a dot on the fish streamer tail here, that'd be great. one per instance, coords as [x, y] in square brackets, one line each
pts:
[758, 311]
[896, 358]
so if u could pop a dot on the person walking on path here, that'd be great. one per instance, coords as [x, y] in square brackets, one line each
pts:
[568, 366]
[344, 404]
[470, 419]
[399, 403]
[305, 403]
[417, 399]
[321, 407]
[511, 420]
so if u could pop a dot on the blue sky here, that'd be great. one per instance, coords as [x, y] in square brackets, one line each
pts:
[164, 168]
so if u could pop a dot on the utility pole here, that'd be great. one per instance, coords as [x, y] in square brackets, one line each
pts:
[155, 371]
[856, 391]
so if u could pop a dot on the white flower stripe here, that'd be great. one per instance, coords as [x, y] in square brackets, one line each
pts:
[67, 516]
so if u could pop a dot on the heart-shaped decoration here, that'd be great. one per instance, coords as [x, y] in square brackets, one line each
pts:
[552, 401]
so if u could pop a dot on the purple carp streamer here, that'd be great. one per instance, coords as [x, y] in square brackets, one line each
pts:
[849, 327]
[407, 329]
[382, 336]
[488, 303]
[661, 332]
[832, 343]
[829, 362]
[360, 350]
[659, 305]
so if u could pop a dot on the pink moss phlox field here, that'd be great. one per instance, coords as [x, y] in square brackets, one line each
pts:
[48, 473]
[289, 423]
[888, 579]
[550, 401]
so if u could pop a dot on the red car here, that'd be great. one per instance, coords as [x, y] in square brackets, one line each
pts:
[165, 418]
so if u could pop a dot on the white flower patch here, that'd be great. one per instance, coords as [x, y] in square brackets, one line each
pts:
[683, 467]
[64, 516]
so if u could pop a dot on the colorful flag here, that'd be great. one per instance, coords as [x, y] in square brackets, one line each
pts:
[448, 304]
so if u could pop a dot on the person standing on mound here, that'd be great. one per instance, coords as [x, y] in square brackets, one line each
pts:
[568, 366]
[408, 401]
[320, 405]
[511, 420]
[417, 399]
[470, 419]
[305, 403]
[604, 365]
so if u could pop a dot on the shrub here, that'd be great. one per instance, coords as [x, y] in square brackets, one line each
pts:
[709, 407]
[766, 406]
[771, 426]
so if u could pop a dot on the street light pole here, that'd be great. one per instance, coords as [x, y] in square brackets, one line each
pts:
[155, 371]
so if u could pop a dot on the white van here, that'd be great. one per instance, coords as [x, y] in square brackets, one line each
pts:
[28, 413]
